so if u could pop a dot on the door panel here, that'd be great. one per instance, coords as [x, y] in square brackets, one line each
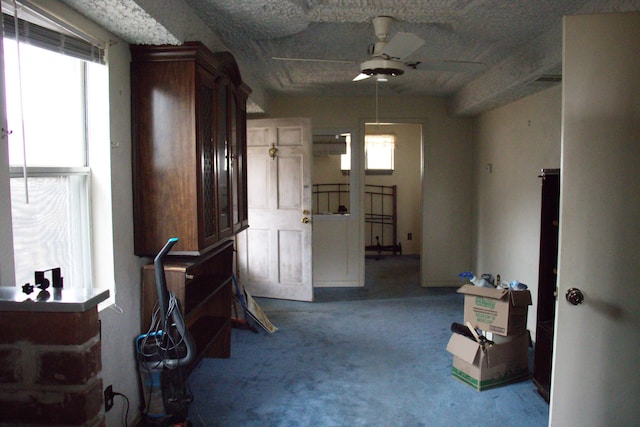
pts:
[290, 188]
[291, 249]
[274, 255]
[597, 343]
[290, 136]
[258, 180]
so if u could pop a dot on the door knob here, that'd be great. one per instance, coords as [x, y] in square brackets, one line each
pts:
[305, 220]
[273, 151]
[574, 296]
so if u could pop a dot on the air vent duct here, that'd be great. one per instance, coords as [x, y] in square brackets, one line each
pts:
[329, 145]
[547, 80]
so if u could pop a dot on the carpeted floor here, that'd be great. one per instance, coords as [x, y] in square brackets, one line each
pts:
[373, 356]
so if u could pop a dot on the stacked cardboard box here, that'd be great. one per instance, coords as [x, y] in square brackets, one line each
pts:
[502, 312]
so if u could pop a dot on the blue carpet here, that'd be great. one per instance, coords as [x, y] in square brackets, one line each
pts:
[373, 356]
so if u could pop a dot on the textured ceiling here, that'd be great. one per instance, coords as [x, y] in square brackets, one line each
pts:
[517, 41]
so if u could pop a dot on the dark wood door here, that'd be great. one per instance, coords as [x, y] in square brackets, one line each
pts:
[165, 169]
[547, 273]
[223, 156]
[240, 164]
[207, 210]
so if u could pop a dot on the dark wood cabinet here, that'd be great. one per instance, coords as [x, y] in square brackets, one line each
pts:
[203, 287]
[189, 140]
[547, 274]
[189, 181]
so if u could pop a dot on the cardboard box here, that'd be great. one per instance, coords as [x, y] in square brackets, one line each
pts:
[491, 367]
[501, 339]
[501, 311]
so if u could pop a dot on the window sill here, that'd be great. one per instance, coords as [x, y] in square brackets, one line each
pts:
[12, 298]
[372, 172]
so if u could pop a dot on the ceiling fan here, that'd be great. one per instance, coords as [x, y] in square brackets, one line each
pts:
[388, 55]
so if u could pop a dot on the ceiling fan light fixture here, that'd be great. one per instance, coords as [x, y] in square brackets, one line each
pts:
[387, 67]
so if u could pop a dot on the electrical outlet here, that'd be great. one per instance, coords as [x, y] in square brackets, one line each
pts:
[108, 398]
[410, 236]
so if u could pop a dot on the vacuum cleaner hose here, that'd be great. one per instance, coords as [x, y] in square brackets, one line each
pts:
[175, 317]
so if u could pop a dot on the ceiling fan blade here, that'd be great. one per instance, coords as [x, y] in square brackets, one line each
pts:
[402, 45]
[361, 76]
[335, 61]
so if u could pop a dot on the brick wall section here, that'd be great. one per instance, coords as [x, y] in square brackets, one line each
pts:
[48, 328]
[68, 406]
[10, 368]
[73, 366]
[49, 367]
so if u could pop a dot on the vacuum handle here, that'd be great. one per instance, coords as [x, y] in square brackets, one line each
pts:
[165, 249]
[161, 281]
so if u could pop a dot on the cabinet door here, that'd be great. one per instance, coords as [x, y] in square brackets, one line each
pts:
[166, 172]
[233, 171]
[238, 116]
[207, 210]
[242, 163]
[223, 158]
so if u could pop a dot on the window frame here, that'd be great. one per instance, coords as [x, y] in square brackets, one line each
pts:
[97, 155]
[367, 169]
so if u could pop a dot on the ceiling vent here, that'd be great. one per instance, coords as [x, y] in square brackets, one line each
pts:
[547, 80]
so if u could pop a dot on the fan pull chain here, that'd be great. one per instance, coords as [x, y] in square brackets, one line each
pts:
[377, 118]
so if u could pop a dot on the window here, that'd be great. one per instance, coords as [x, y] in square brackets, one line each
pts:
[56, 88]
[331, 187]
[379, 154]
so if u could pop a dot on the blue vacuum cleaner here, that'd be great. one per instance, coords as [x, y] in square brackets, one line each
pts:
[163, 354]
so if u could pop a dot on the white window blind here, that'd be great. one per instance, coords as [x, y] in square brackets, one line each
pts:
[62, 41]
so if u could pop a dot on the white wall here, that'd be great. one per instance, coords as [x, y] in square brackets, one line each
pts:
[446, 208]
[517, 140]
[120, 328]
[447, 183]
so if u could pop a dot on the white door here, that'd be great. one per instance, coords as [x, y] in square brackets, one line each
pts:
[596, 379]
[274, 253]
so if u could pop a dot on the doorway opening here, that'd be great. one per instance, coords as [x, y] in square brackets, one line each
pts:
[336, 209]
[367, 201]
[393, 199]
